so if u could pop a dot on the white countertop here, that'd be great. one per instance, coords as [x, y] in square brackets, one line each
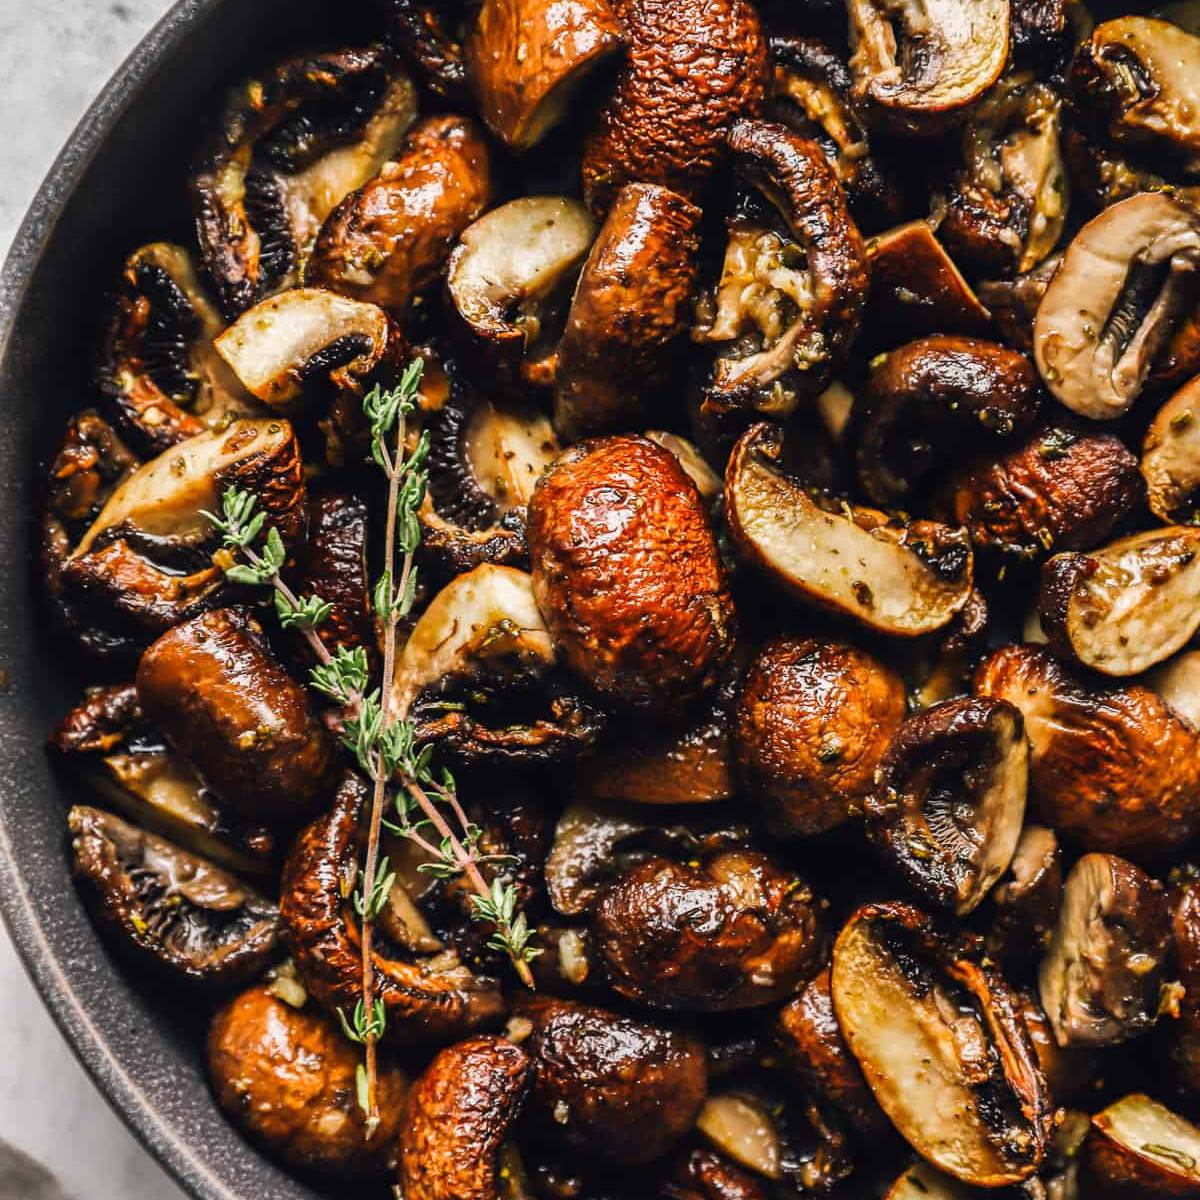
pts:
[55, 55]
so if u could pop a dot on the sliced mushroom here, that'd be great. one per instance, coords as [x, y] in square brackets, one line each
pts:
[457, 1118]
[1025, 902]
[290, 146]
[949, 799]
[790, 298]
[688, 72]
[527, 60]
[1140, 1148]
[431, 996]
[174, 911]
[940, 1039]
[388, 241]
[897, 578]
[1100, 980]
[1127, 606]
[1013, 303]
[477, 674]
[1125, 279]
[919, 65]
[627, 574]
[1113, 767]
[286, 1076]
[734, 931]
[929, 401]
[812, 724]
[615, 1089]
[629, 312]
[1170, 457]
[923, 1182]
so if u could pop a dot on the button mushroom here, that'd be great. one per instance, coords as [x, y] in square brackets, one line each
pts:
[1170, 454]
[1140, 1148]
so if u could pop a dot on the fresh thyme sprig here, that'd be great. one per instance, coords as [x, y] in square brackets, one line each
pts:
[425, 803]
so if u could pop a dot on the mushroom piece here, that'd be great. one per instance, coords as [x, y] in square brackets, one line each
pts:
[791, 295]
[456, 1120]
[923, 1182]
[930, 400]
[1070, 1071]
[695, 465]
[426, 996]
[630, 309]
[388, 241]
[527, 60]
[1064, 488]
[173, 911]
[290, 146]
[477, 675]
[1025, 902]
[813, 722]
[919, 65]
[1183, 899]
[1178, 683]
[703, 1174]
[286, 1076]
[1124, 280]
[949, 799]
[428, 33]
[627, 574]
[162, 379]
[1100, 980]
[1127, 606]
[898, 578]
[1014, 302]
[1170, 457]
[1114, 767]
[1139, 1149]
[940, 1039]
[618, 1090]
[280, 347]
[734, 931]
[689, 71]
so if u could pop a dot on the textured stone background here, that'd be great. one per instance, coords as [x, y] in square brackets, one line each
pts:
[57, 1136]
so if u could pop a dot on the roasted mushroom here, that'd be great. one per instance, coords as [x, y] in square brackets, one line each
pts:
[1100, 980]
[627, 575]
[703, 1174]
[899, 578]
[1113, 767]
[286, 1075]
[1125, 279]
[1183, 899]
[1170, 457]
[1026, 900]
[291, 145]
[940, 1039]
[812, 724]
[1139, 1149]
[388, 241]
[173, 911]
[1013, 303]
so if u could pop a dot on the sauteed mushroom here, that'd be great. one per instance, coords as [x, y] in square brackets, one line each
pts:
[427, 33]
[1170, 454]
[704, 1174]
[1140, 1148]
[1014, 302]
[1026, 901]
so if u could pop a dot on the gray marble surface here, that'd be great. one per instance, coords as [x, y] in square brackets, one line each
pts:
[57, 1136]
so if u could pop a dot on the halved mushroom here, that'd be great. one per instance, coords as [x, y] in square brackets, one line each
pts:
[688, 72]
[791, 295]
[630, 309]
[477, 674]
[627, 574]
[615, 1089]
[1130, 604]
[426, 995]
[813, 722]
[173, 910]
[509, 280]
[1171, 457]
[1013, 303]
[929, 401]
[457, 1118]
[163, 381]
[734, 931]
[303, 337]
[286, 1076]
[1101, 978]
[1026, 900]
[1183, 1038]
[903, 579]
[290, 146]
[527, 60]
[1063, 489]
[1125, 279]
[1116, 768]
[1139, 1149]
[949, 799]
[940, 1039]
[1178, 683]
[920, 64]
[388, 241]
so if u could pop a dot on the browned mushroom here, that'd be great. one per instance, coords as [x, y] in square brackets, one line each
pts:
[1139, 1149]
[1070, 1071]
[1025, 902]
[703, 1174]
[286, 1075]
[428, 34]
[1170, 455]
[627, 575]
[940, 1039]
[1183, 898]
[813, 722]
[1014, 302]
